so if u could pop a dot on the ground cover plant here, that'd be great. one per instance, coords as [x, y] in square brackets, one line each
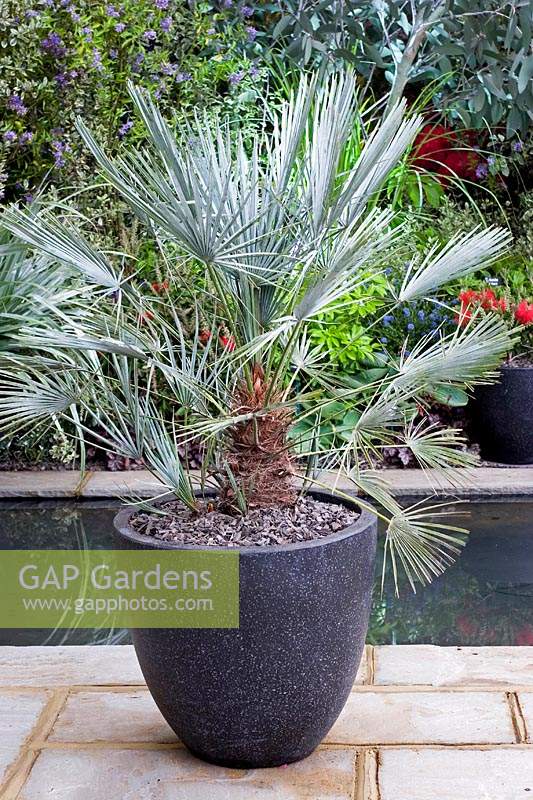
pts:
[282, 237]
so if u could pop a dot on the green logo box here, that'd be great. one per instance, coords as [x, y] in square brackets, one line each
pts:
[119, 589]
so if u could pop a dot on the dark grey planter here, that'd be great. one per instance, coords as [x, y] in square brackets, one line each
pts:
[267, 693]
[502, 417]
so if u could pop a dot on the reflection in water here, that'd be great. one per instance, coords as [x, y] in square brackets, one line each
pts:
[57, 525]
[485, 598]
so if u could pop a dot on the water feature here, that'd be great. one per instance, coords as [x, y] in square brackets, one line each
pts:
[486, 598]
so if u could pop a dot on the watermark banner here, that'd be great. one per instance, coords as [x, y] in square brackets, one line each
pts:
[119, 589]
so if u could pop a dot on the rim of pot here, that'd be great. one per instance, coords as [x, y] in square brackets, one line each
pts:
[121, 524]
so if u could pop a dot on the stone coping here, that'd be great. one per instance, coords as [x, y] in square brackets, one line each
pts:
[78, 723]
[481, 482]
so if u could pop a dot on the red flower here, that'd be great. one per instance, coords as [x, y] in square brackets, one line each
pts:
[431, 145]
[438, 150]
[227, 342]
[490, 302]
[159, 288]
[486, 299]
[145, 316]
[204, 336]
[464, 316]
[469, 296]
[524, 313]
[460, 162]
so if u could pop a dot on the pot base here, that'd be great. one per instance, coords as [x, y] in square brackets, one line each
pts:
[250, 763]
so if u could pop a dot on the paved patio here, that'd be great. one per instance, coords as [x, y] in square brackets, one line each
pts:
[422, 723]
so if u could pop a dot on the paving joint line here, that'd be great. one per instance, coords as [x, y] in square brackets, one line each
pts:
[405, 688]
[50, 744]
[521, 724]
[82, 483]
[388, 688]
[20, 769]
[359, 768]
[367, 787]
[370, 665]
[516, 720]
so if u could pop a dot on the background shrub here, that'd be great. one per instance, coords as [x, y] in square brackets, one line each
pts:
[477, 52]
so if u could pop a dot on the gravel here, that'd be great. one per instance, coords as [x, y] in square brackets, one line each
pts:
[518, 363]
[309, 519]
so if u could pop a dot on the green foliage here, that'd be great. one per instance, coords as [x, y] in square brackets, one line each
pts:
[480, 52]
[343, 332]
[513, 271]
[41, 445]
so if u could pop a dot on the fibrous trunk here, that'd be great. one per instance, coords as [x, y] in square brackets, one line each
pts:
[258, 456]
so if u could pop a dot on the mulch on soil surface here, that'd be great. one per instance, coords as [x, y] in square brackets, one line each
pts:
[309, 519]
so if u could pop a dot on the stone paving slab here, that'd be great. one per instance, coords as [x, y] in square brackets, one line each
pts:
[453, 666]
[176, 775]
[19, 714]
[113, 717]
[39, 484]
[368, 718]
[69, 665]
[425, 717]
[139, 483]
[481, 482]
[456, 774]
[80, 665]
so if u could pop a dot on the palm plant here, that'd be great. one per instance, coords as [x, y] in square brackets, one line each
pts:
[26, 284]
[283, 235]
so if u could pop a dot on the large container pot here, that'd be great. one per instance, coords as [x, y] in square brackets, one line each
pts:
[503, 417]
[268, 692]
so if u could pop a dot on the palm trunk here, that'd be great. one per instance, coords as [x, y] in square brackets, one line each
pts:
[258, 457]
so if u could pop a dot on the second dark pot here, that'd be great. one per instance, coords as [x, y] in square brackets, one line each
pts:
[268, 692]
[502, 417]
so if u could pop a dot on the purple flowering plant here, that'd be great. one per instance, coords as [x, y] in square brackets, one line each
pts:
[79, 56]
